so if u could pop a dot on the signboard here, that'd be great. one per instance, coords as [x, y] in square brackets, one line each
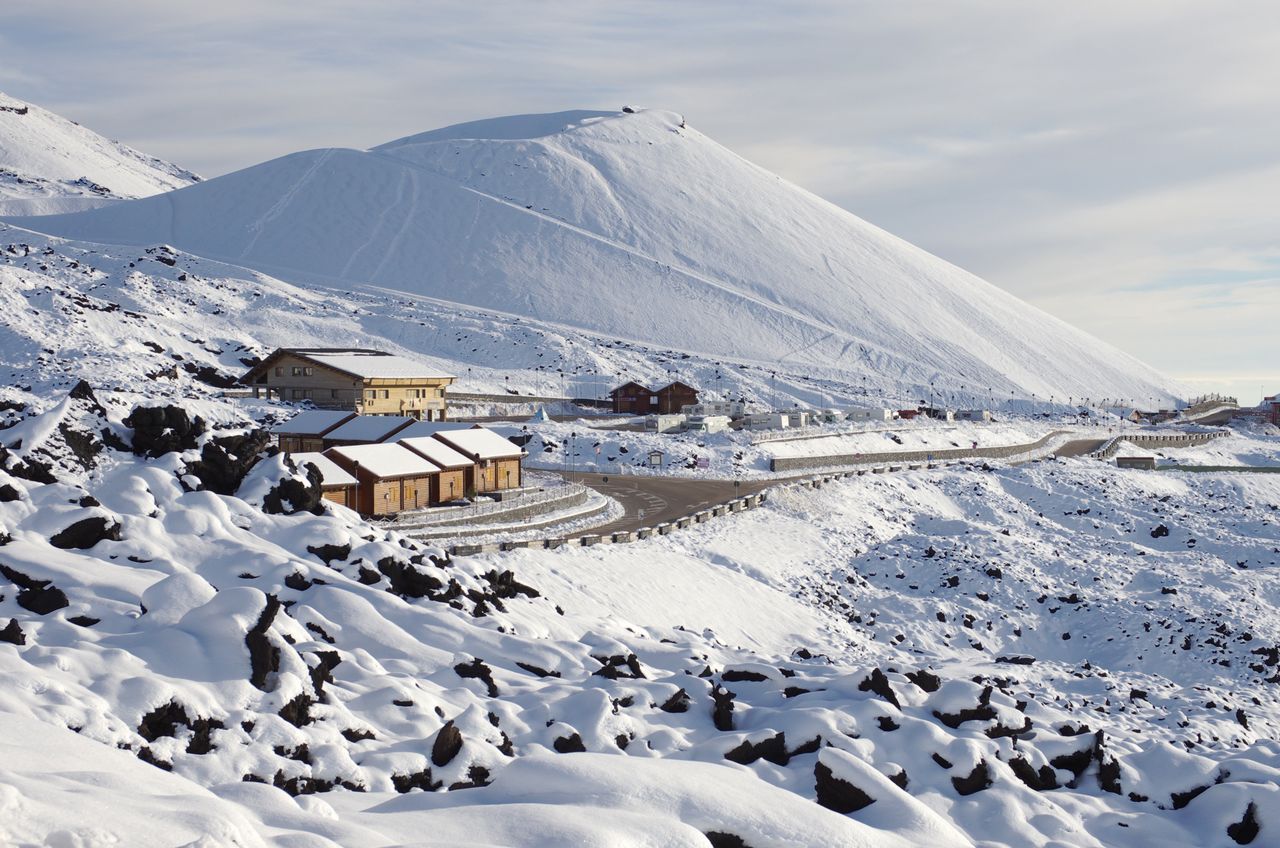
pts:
[703, 462]
[655, 459]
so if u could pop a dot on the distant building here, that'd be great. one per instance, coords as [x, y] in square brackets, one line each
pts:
[370, 382]
[860, 414]
[305, 431]
[827, 416]
[674, 397]
[706, 423]
[633, 399]
[731, 408]
[907, 414]
[937, 414]
[1272, 406]
[664, 423]
[336, 484]
[795, 419]
[973, 415]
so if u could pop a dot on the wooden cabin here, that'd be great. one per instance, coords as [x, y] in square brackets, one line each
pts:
[305, 432]
[457, 473]
[633, 399]
[370, 382]
[336, 484]
[497, 460]
[366, 430]
[390, 478]
[673, 397]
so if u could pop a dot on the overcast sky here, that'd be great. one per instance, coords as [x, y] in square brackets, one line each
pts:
[1117, 164]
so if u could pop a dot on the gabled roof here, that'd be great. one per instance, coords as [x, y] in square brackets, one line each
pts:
[315, 422]
[480, 443]
[423, 429]
[357, 363]
[436, 451]
[631, 384]
[676, 385]
[331, 474]
[385, 460]
[369, 428]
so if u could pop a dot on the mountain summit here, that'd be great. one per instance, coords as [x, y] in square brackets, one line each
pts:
[630, 226]
[49, 164]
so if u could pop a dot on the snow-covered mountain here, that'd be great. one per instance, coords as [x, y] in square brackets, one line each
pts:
[49, 164]
[632, 227]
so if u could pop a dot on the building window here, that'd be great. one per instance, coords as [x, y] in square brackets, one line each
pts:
[386, 394]
[371, 394]
[279, 371]
[295, 371]
[308, 371]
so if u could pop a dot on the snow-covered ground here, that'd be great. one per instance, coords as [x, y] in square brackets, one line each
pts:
[1020, 656]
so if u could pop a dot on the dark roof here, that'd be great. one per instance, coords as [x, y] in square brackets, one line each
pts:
[631, 384]
[675, 386]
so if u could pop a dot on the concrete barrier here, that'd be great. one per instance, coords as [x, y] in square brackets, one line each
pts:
[623, 536]
[682, 523]
[556, 543]
[664, 528]
[588, 540]
[644, 532]
[718, 511]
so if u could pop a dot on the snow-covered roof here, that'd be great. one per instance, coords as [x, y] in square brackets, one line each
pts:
[331, 474]
[480, 443]
[436, 451]
[315, 422]
[385, 460]
[368, 428]
[370, 363]
[421, 429]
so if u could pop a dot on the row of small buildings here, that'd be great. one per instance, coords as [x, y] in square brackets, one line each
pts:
[386, 464]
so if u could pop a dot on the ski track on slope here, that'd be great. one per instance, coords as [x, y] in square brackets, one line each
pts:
[685, 273]
[282, 203]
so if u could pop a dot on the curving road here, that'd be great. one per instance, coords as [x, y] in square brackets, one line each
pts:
[652, 500]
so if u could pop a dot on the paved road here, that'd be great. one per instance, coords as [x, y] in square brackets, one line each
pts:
[651, 500]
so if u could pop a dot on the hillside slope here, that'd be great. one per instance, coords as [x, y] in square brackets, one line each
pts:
[49, 164]
[634, 227]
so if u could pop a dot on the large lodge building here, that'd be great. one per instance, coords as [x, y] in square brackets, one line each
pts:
[368, 382]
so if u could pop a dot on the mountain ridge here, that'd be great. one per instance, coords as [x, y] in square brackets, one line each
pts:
[627, 225]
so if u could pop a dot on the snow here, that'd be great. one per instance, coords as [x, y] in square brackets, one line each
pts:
[331, 474]
[50, 165]
[480, 442]
[435, 450]
[1101, 645]
[945, 571]
[373, 365]
[368, 428]
[388, 460]
[587, 228]
[312, 422]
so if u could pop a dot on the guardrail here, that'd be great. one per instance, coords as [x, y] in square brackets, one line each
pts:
[465, 514]
[1153, 440]
[803, 463]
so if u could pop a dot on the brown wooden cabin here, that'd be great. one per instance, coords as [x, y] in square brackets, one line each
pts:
[674, 397]
[390, 478]
[633, 399]
[497, 460]
[457, 472]
[304, 432]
